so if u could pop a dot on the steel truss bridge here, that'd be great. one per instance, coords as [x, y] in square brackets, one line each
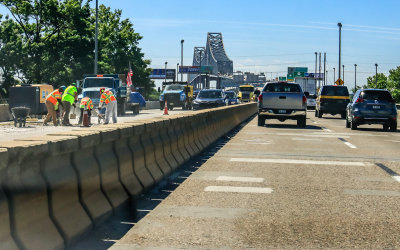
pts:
[213, 55]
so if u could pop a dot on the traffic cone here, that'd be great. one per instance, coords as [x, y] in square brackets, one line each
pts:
[166, 108]
[85, 119]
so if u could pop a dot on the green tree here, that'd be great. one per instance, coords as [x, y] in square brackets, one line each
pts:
[380, 84]
[118, 47]
[394, 83]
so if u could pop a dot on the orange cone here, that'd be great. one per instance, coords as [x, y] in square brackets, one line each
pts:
[165, 108]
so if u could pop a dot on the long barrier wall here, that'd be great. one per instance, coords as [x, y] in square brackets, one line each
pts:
[56, 188]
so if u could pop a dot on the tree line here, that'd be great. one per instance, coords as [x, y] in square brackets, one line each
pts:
[53, 41]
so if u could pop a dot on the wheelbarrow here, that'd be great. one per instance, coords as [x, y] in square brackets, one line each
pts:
[19, 115]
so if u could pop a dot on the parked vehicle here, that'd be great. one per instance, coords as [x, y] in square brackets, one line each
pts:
[209, 98]
[231, 98]
[282, 101]
[30, 96]
[177, 95]
[372, 106]
[246, 93]
[311, 101]
[332, 99]
[91, 87]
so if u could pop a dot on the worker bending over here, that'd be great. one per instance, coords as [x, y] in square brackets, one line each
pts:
[86, 104]
[52, 102]
[108, 98]
[69, 97]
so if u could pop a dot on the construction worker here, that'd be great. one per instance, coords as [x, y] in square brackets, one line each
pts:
[53, 100]
[108, 98]
[69, 98]
[86, 104]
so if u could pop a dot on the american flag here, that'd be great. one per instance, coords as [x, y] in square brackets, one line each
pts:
[129, 78]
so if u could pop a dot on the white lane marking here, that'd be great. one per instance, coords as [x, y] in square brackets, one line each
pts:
[319, 133]
[326, 129]
[291, 161]
[349, 144]
[314, 122]
[231, 189]
[305, 139]
[396, 177]
[239, 179]
[259, 143]
[393, 141]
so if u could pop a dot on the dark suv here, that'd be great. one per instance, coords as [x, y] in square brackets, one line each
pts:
[332, 99]
[372, 106]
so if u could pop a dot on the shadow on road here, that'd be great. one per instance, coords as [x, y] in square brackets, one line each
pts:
[118, 225]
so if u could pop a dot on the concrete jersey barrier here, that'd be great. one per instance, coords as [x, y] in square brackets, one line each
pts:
[72, 181]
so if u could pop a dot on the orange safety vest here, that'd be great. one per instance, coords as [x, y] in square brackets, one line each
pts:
[107, 97]
[86, 103]
[54, 96]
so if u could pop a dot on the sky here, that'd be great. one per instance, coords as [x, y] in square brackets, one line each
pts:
[268, 35]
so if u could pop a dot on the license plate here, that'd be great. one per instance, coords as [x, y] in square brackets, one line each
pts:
[376, 107]
[282, 111]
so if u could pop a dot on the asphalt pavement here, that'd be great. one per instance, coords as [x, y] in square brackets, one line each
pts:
[278, 187]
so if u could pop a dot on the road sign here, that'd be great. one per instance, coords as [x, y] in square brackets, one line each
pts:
[160, 74]
[339, 82]
[282, 78]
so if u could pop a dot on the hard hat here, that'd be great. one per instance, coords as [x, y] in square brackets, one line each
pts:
[63, 87]
[73, 84]
[102, 90]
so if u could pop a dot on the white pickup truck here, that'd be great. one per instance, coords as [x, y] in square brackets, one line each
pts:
[282, 101]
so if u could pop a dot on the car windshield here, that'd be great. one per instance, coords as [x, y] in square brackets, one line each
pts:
[335, 91]
[376, 95]
[174, 87]
[98, 82]
[282, 87]
[230, 94]
[249, 89]
[210, 94]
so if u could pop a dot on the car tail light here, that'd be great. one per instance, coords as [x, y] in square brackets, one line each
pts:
[260, 98]
[304, 99]
[359, 100]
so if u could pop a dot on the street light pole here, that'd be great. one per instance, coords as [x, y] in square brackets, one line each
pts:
[315, 72]
[343, 73]
[165, 76]
[177, 67]
[355, 78]
[340, 45]
[182, 41]
[96, 46]
[334, 75]
[376, 75]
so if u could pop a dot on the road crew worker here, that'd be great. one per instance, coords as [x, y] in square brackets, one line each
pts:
[69, 98]
[86, 104]
[108, 98]
[52, 102]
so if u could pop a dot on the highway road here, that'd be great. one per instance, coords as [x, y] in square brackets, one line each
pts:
[279, 187]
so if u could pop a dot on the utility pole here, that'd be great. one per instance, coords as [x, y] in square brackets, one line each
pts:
[326, 74]
[165, 76]
[343, 73]
[334, 75]
[376, 75]
[324, 68]
[177, 68]
[96, 44]
[319, 71]
[315, 72]
[340, 45]
[355, 78]
[182, 41]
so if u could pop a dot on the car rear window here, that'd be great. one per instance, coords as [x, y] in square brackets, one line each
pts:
[282, 87]
[335, 91]
[376, 95]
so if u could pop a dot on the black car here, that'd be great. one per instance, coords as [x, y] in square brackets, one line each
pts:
[332, 99]
[209, 98]
[372, 106]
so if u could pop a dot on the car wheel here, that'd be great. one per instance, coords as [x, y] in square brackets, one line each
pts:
[261, 121]
[393, 127]
[320, 114]
[386, 127]
[353, 125]
[347, 122]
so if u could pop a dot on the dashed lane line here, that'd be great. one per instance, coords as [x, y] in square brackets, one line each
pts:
[292, 161]
[348, 144]
[231, 189]
[239, 179]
